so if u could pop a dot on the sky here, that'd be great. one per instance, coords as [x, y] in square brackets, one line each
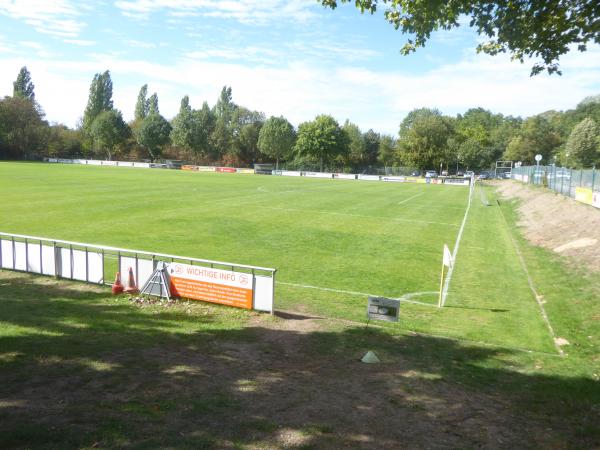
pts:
[292, 58]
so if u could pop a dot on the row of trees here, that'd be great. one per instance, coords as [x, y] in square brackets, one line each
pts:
[232, 134]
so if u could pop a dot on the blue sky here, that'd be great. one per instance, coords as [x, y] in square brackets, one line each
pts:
[291, 58]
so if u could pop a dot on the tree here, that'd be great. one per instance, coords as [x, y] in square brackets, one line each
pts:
[277, 138]
[224, 107]
[583, 145]
[387, 150]
[540, 29]
[536, 136]
[23, 87]
[108, 131]
[141, 105]
[63, 142]
[153, 104]
[245, 127]
[99, 100]
[372, 142]
[356, 144]
[203, 125]
[322, 139]
[22, 128]
[424, 135]
[183, 128]
[153, 134]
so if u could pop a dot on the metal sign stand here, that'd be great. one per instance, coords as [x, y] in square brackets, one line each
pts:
[158, 283]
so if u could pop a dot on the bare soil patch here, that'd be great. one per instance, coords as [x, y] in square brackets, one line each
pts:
[557, 223]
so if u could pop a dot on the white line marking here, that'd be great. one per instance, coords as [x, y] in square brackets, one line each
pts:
[536, 295]
[405, 298]
[455, 251]
[410, 198]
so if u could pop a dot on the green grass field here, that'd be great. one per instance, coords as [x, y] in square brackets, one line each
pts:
[490, 343]
[332, 241]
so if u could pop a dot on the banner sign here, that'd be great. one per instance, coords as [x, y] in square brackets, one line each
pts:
[211, 285]
[394, 179]
[458, 181]
[381, 308]
[188, 167]
[369, 177]
[344, 176]
[225, 169]
[245, 171]
[318, 175]
[596, 199]
[584, 195]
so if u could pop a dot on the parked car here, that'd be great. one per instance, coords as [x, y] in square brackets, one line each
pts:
[444, 173]
[460, 174]
[469, 174]
[431, 174]
[415, 173]
[485, 176]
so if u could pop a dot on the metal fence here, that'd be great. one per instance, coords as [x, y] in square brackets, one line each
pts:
[98, 264]
[560, 179]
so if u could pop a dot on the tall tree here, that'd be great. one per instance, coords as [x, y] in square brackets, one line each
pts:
[224, 107]
[322, 139]
[22, 86]
[583, 146]
[153, 104]
[99, 100]
[141, 105]
[108, 131]
[424, 135]
[153, 134]
[277, 138]
[356, 144]
[388, 153]
[182, 131]
[372, 141]
[539, 29]
[536, 136]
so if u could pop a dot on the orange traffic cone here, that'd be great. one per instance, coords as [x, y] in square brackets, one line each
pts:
[131, 287]
[117, 287]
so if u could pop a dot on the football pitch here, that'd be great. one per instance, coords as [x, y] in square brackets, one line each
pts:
[510, 361]
[334, 242]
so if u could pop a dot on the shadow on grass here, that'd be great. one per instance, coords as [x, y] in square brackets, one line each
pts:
[81, 370]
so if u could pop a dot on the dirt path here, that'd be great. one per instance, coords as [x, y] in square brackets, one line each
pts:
[558, 223]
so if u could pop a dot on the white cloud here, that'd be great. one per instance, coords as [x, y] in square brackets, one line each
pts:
[80, 42]
[244, 11]
[31, 44]
[301, 90]
[56, 17]
[140, 44]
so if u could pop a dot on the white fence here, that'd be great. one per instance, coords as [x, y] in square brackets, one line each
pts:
[97, 264]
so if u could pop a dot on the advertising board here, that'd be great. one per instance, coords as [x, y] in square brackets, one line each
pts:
[206, 169]
[394, 179]
[584, 195]
[344, 176]
[245, 171]
[211, 285]
[318, 175]
[369, 177]
[225, 169]
[596, 199]
[190, 168]
[458, 181]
